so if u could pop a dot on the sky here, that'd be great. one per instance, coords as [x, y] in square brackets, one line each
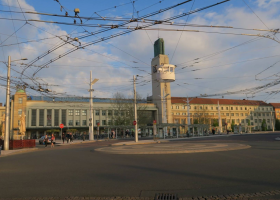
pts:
[208, 62]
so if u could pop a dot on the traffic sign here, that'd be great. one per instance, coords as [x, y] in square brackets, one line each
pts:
[155, 122]
[98, 124]
[61, 125]
[134, 123]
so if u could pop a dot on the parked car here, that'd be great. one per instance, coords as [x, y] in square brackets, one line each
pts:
[42, 139]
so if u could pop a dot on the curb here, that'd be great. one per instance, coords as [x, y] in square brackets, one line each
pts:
[13, 152]
[131, 143]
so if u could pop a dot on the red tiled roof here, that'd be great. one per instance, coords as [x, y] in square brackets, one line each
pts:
[275, 105]
[221, 101]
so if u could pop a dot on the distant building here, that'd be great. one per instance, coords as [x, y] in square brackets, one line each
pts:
[276, 107]
[238, 112]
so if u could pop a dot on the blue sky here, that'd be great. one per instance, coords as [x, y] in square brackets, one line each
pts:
[115, 62]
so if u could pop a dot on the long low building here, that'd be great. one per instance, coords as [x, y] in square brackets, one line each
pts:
[45, 113]
[238, 112]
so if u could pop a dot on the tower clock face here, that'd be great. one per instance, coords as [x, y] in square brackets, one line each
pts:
[154, 69]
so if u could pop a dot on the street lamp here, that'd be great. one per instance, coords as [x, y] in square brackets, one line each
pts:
[7, 121]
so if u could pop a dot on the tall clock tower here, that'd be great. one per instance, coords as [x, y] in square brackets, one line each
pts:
[161, 89]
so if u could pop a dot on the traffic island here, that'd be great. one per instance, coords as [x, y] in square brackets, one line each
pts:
[172, 148]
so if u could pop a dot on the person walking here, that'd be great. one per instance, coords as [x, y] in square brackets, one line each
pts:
[84, 136]
[68, 137]
[63, 137]
[52, 141]
[46, 140]
[71, 137]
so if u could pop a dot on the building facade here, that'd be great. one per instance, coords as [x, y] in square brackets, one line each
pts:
[45, 113]
[238, 112]
[276, 107]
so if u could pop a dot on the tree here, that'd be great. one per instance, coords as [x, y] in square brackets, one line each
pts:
[264, 127]
[215, 122]
[277, 124]
[123, 110]
[232, 125]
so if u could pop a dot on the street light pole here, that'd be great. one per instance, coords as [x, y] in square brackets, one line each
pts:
[91, 135]
[7, 121]
[135, 109]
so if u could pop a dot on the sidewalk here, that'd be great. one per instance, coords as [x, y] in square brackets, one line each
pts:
[60, 143]
[16, 151]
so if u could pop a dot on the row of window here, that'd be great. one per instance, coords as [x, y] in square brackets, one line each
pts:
[224, 114]
[222, 108]
[235, 121]
[97, 112]
[84, 122]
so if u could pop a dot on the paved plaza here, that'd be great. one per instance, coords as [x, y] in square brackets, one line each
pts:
[86, 171]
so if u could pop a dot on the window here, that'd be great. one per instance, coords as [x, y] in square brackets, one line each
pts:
[270, 108]
[211, 108]
[70, 122]
[103, 112]
[63, 116]
[56, 117]
[19, 111]
[200, 107]
[245, 108]
[77, 112]
[195, 107]
[20, 100]
[266, 108]
[259, 114]
[263, 114]
[206, 108]
[84, 122]
[231, 114]
[242, 121]
[227, 114]
[252, 123]
[256, 121]
[262, 108]
[103, 122]
[226, 108]
[246, 114]
[183, 113]
[247, 120]
[236, 108]
[222, 108]
[200, 113]
[49, 117]
[223, 114]
[228, 121]
[267, 114]
[97, 112]
[177, 107]
[177, 113]
[255, 114]
[237, 115]
[171, 107]
[109, 112]
[268, 120]
[268, 127]
[41, 117]
[84, 112]
[260, 121]
[77, 122]
[96, 121]
[240, 108]
[231, 108]
[241, 114]
[109, 122]
[206, 114]
[33, 117]
[70, 112]
[211, 113]
[217, 114]
[217, 108]
[116, 112]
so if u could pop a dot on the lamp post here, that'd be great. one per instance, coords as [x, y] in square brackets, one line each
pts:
[91, 135]
[7, 121]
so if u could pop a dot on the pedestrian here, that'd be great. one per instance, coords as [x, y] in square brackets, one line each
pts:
[46, 140]
[114, 134]
[68, 137]
[71, 137]
[84, 136]
[52, 141]
[63, 137]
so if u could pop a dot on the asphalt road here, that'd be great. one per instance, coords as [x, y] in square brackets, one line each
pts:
[78, 170]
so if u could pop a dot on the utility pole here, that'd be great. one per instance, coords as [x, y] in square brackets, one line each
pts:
[164, 112]
[220, 121]
[189, 117]
[7, 121]
[91, 124]
[135, 109]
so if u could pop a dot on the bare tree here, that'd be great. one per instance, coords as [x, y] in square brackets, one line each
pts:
[123, 110]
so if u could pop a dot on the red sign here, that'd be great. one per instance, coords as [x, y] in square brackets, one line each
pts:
[134, 123]
[61, 125]
[155, 121]
[98, 124]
